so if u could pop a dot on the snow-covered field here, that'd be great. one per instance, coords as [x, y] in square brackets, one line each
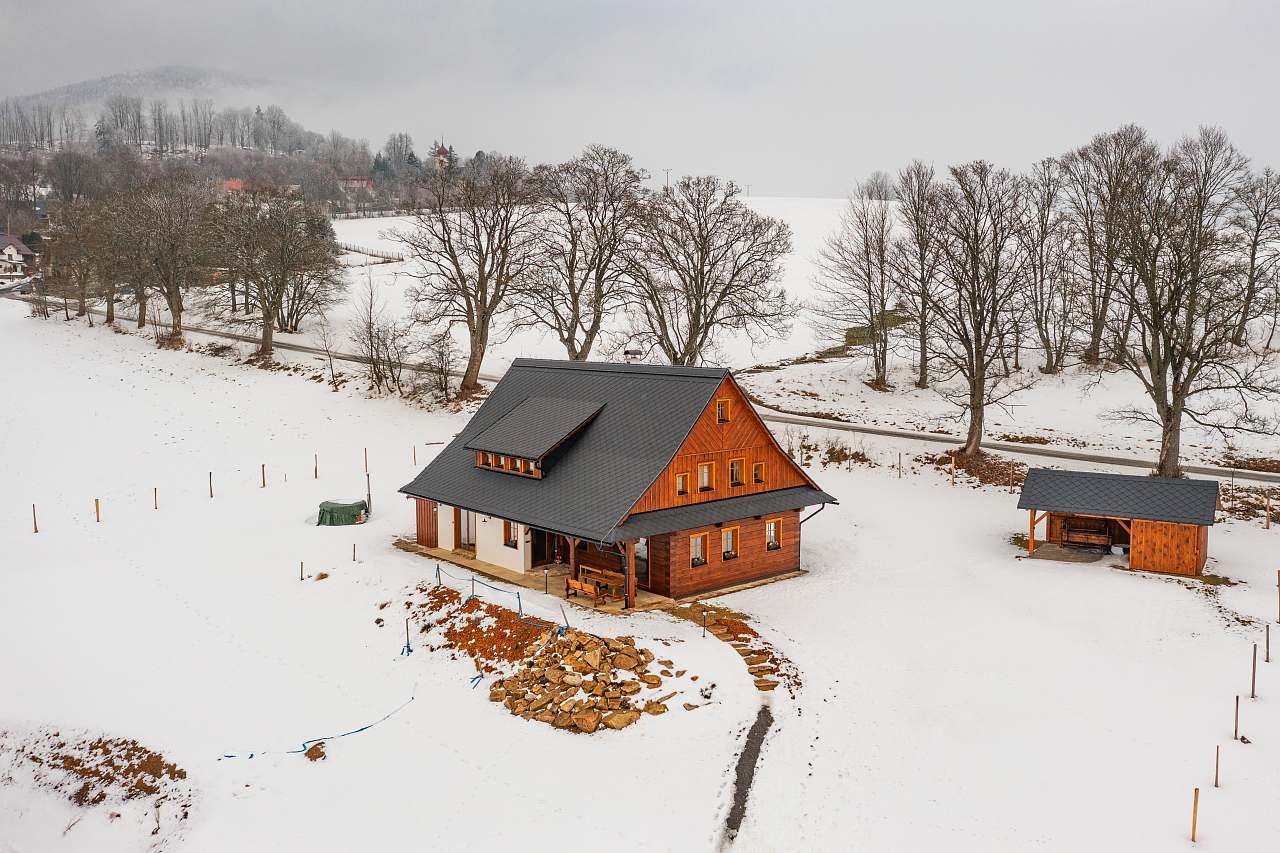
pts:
[956, 697]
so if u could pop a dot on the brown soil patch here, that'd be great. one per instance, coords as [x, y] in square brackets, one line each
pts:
[1251, 463]
[988, 469]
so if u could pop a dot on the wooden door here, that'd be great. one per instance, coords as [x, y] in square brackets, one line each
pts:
[464, 529]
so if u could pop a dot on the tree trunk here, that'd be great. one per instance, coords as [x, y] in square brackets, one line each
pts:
[922, 377]
[233, 294]
[1169, 464]
[111, 304]
[140, 294]
[977, 413]
[268, 334]
[471, 376]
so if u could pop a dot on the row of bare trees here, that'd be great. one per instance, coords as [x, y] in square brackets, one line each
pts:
[1161, 263]
[567, 247]
[162, 233]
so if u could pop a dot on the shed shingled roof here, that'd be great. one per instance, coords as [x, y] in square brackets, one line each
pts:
[1120, 496]
[643, 415]
[535, 427]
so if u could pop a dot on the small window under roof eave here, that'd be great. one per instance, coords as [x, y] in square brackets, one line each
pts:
[535, 427]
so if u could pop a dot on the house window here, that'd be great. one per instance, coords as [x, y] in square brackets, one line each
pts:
[773, 534]
[729, 542]
[698, 550]
[510, 534]
[488, 459]
[706, 477]
[682, 483]
[736, 467]
[757, 472]
[722, 411]
[514, 464]
[502, 462]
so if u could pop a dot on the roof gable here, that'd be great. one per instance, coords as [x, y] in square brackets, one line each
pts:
[643, 414]
[1120, 496]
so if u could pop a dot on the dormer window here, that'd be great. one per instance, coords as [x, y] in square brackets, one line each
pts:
[509, 464]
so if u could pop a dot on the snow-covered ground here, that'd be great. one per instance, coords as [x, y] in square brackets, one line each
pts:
[956, 696]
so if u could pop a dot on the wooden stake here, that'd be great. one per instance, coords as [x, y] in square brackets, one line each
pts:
[316, 474]
[264, 475]
[300, 570]
[1266, 633]
[211, 485]
[155, 498]
[1217, 755]
[97, 510]
[1236, 732]
[1266, 524]
[35, 526]
[1195, 812]
[415, 454]
[366, 460]
[953, 469]
[353, 552]
[1253, 679]
[1010, 476]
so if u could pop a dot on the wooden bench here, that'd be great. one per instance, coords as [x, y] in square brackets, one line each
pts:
[1086, 532]
[589, 589]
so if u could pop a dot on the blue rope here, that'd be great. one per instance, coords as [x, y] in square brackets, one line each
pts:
[306, 744]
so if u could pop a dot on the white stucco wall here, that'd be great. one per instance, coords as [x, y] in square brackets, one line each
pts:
[489, 546]
[444, 525]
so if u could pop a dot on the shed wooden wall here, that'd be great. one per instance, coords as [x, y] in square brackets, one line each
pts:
[744, 437]
[1161, 546]
[752, 563]
[427, 527]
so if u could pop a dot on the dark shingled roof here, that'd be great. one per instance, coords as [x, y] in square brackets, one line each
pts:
[1120, 496]
[535, 427]
[591, 481]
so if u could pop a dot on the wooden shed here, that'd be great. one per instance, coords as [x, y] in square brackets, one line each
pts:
[1163, 523]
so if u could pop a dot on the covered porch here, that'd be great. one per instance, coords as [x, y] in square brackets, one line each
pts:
[550, 576]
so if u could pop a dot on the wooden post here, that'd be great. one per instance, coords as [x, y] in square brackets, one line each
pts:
[315, 472]
[573, 557]
[1253, 678]
[264, 475]
[415, 454]
[97, 510]
[899, 464]
[953, 469]
[211, 485]
[1266, 524]
[353, 552]
[35, 525]
[1010, 476]
[1217, 755]
[1236, 731]
[1195, 812]
[631, 575]
[1031, 536]
[300, 570]
[366, 460]
[1266, 633]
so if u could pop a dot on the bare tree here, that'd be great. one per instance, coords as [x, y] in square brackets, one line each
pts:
[284, 250]
[171, 217]
[854, 281]
[1052, 291]
[703, 264]
[1094, 178]
[1256, 219]
[1185, 295]
[589, 210]
[473, 240]
[976, 297]
[916, 256]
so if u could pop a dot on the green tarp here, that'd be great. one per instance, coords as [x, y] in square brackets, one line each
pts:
[333, 513]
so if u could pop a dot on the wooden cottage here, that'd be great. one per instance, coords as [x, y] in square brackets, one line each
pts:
[637, 477]
[1162, 523]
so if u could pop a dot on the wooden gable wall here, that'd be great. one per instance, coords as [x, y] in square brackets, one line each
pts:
[744, 437]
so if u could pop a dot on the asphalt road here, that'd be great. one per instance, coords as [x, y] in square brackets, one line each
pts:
[774, 416]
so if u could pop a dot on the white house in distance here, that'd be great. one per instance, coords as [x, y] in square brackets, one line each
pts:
[16, 260]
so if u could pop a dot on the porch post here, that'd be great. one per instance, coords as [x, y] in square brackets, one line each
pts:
[631, 573]
[573, 556]
[1031, 538]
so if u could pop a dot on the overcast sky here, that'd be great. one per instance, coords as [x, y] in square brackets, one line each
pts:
[793, 98]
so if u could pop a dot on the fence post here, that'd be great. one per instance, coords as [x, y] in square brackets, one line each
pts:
[300, 570]
[211, 485]
[415, 454]
[1195, 812]
[366, 460]
[1236, 731]
[519, 605]
[155, 497]
[1253, 678]
[264, 475]
[35, 525]
[1267, 636]
[353, 552]
[1217, 755]
[97, 511]
[437, 574]
[315, 475]
[899, 464]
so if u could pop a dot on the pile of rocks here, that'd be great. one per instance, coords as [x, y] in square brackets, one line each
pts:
[580, 682]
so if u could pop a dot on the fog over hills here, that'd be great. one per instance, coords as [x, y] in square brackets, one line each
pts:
[163, 82]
